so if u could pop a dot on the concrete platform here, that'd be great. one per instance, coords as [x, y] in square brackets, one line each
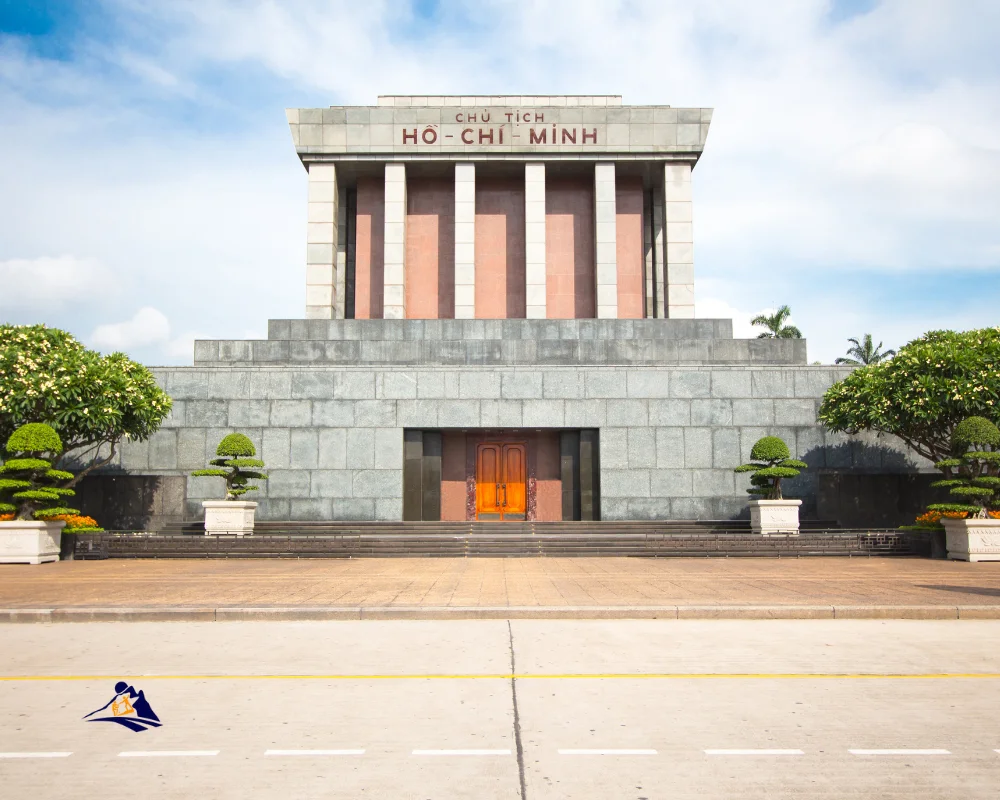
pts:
[485, 588]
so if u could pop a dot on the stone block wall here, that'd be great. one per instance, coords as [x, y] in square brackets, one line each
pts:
[670, 437]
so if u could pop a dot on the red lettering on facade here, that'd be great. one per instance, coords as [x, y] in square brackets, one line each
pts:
[470, 118]
[429, 136]
[569, 135]
[539, 117]
[486, 137]
[538, 137]
[592, 135]
[458, 117]
[469, 140]
[409, 136]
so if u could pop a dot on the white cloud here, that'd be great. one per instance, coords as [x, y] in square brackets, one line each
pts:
[716, 308]
[147, 326]
[46, 283]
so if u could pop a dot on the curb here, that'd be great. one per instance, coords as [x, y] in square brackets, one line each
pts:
[318, 613]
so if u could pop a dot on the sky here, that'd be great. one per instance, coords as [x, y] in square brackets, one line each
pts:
[150, 193]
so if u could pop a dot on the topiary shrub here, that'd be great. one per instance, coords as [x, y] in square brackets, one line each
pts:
[972, 476]
[771, 461]
[236, 463]
[27, 479]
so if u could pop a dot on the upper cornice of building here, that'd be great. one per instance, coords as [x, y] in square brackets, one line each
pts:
[522, 100]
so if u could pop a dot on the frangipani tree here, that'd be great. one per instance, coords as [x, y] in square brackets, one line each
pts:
[236, 463]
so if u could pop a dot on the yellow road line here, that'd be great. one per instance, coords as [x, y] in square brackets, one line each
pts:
[529, 676]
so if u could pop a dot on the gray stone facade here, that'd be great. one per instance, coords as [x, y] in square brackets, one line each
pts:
[332, 433]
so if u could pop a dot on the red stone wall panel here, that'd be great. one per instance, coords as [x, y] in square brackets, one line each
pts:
[630, 247]
[453, 477]
[569, 248]
[548, 477]
[369, 249]
[500, 271]
[430, 248]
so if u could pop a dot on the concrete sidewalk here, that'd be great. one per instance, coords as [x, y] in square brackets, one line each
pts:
[570, 588]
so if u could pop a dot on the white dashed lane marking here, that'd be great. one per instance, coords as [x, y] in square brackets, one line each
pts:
[461, 752]
[900, 752]
[314, 752]
[606, 752]
[35, 755]
[166, 753]
[757, 752]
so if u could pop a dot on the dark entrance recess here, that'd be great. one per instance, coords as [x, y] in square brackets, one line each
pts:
[502, 476]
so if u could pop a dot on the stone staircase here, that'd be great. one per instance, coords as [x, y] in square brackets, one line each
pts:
[515, 540]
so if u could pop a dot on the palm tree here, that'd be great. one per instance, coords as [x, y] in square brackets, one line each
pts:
[775, 324]
[862, 353]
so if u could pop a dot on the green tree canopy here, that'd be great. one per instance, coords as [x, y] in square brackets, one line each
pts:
[28, 478]
[864, 352]
[921, 394]
[93, 401]
[775, 324]
[770, 462]
[236, 463]
[972, 477]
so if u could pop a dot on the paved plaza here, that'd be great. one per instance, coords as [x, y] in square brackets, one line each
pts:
[539, 585]
[528, 709]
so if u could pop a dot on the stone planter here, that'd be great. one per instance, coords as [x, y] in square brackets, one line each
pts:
[30, 541]
[973, 539]
[229, 517]
[769, 517]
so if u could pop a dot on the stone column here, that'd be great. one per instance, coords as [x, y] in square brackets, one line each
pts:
[321, 241]
[465, 241]
[659, 307]
[679, 272]
[394, 242]
[340, 271]
[605, 250]
[534, 241]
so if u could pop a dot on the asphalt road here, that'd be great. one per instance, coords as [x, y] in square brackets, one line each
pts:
[597, 709]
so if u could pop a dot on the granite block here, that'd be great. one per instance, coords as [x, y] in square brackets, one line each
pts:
[771, 383]
[641, 447]
[478, 385]
[354, 385]
[669, 412]
[291, 413]
[378, 483]
[304, 448]
[313, 384]
[697, 447]
[757, 412]
[388, 448]
[310, 510]
[543, 413]
[333, 413]
[648, 508]
[625, 483]
[690, 383]
[628, 412]
[669, 448]
[795, 412]
[648, 383]
[731, 383]
[191, 448]
[671, 482]
[275, 448]
[163, 449]
[568, 384]
[375, 413]
[360, 448]
[389, 509]
[252, 413]
[711, 412]
[586, 413]
[726, 448]
[614, 448]
[287, 483]
[332, 448]
[417, 413]
[206, 413]
[361, 509]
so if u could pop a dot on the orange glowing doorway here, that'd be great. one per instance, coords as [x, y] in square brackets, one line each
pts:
[501, 488]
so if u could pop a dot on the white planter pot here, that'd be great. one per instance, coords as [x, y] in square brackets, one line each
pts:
[973, 539]
[775, 517]
[30, 542]
[229, 517]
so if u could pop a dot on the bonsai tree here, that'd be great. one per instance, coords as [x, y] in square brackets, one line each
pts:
[920, 395]
[27, 476]
[236, 463]
[972, 475]
[93, 401]
[771, 461]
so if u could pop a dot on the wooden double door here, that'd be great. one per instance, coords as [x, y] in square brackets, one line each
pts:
[501, 481]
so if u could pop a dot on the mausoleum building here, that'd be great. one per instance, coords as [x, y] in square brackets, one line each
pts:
[499, 325]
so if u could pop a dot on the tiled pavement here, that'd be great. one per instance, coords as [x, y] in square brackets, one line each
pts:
[513, 582]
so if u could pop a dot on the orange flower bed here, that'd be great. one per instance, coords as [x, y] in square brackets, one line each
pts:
[6, 517]
[76, 521]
